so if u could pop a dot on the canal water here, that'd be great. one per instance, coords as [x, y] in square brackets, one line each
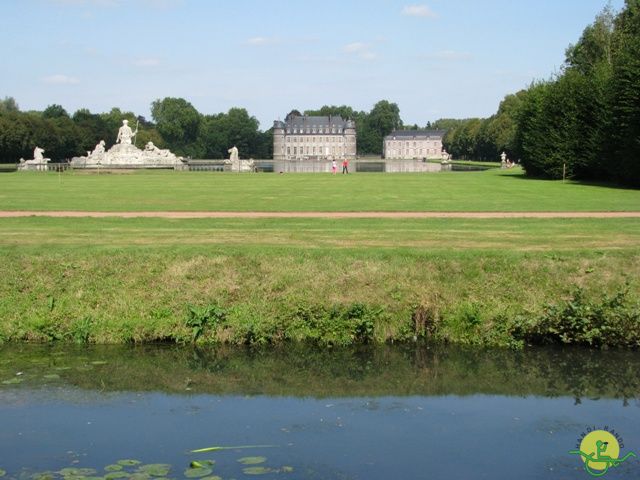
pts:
[419, 412]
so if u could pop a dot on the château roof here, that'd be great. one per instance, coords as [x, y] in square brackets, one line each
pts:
[314, 124]
[406, 134]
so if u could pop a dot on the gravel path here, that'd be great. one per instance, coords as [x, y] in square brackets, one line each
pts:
[75, 214]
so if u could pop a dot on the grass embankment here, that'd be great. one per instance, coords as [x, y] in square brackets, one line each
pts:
[327, 281]
[494, 190]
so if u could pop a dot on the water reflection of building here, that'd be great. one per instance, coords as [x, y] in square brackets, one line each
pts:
[413, 144]
[301, 137]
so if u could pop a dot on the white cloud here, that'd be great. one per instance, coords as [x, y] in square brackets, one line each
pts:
[86, 3]
[418, 11]
[60, 79]
[260, 41]
[450, 55]
[360, 49]
[155, 4]
[146, 62]
[355, 47]
[163, 4]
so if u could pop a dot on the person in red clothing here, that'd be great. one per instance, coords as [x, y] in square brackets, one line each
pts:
[345, 166]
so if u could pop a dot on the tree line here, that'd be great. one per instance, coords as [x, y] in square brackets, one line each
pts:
[582, 123]
[585, 122]
[175, 124]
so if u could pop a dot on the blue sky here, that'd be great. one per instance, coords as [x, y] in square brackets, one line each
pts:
[435, 59]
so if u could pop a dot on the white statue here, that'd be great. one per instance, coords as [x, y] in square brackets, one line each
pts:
[98, 150]
[150, 147]
[125, 133]
[37, 154]
[503, 160]
[125, 154]
[38, 162]
[233, 154]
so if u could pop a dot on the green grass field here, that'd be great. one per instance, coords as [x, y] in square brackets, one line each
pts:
[492, 190]
[328, 281]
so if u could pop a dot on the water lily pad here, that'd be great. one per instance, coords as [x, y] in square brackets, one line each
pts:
[252, 460]
[202, 463]
[197, 472]
[2, 473]
[140, 476]
[77, 472]
[43, 476]
[52, 376]
[257, 470]
[155, 469]
[113, 468]
[286, 469]
[116, 475]
[128, 463]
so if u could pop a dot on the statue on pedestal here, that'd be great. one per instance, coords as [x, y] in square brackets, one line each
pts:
[98, 150]
[233, 154]
[150, 147]
[125, 133]
[238, 165]
[124, 154]
[37, 163]
[37, 154]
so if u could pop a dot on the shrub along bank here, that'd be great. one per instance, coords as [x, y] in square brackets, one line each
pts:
[275, 295]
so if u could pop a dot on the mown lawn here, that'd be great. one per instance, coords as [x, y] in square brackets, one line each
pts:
[492, 190]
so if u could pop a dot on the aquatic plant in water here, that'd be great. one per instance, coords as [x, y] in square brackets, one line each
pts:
[131, 469]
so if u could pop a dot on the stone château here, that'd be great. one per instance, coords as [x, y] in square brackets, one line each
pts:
[413, 144]
[302, 137]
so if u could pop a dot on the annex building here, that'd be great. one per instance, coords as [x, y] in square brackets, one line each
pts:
[413, 145]
[302, 137]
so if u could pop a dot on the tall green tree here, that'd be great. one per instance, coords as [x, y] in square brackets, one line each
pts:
[9, 104]
[178, 122]
[344, 111]
[371, 128]
[624, 147]
[55, 111]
